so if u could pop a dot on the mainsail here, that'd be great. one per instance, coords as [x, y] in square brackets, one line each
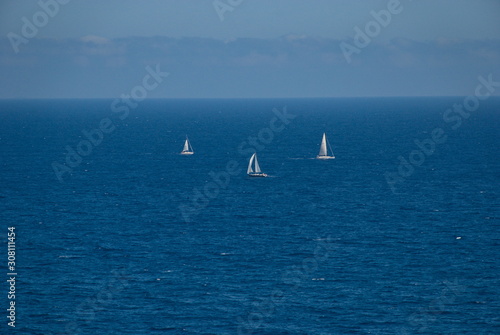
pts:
[322, 149]
[257, 167]
[186, 145]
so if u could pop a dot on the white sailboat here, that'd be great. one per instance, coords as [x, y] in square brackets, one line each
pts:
[188, 149]
[323, 149]
[254, 168]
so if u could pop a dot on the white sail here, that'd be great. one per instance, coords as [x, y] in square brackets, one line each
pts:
[186, 145]
[254, 168]
[188, 149]
[322, 149]
[250, 169]
[257, 167]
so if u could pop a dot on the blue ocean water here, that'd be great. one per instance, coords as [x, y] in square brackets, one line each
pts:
[137, 239]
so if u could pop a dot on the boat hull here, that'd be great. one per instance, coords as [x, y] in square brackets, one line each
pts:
[325, 157]
[256, 175]
[186, 153]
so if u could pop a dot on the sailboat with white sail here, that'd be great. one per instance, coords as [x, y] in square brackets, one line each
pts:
[254, 168]
[188, 149]
[323, 149]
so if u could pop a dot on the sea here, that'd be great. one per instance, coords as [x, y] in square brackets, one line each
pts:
[117, 233]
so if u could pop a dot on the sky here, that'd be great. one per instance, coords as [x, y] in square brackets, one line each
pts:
[247, 48]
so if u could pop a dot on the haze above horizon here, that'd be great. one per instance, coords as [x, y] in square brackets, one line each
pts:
[247, 49]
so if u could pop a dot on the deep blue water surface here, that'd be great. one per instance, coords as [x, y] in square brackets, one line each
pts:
[138, 239]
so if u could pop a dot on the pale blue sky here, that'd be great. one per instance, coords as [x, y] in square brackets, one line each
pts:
[421, 19]
[442, 46]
